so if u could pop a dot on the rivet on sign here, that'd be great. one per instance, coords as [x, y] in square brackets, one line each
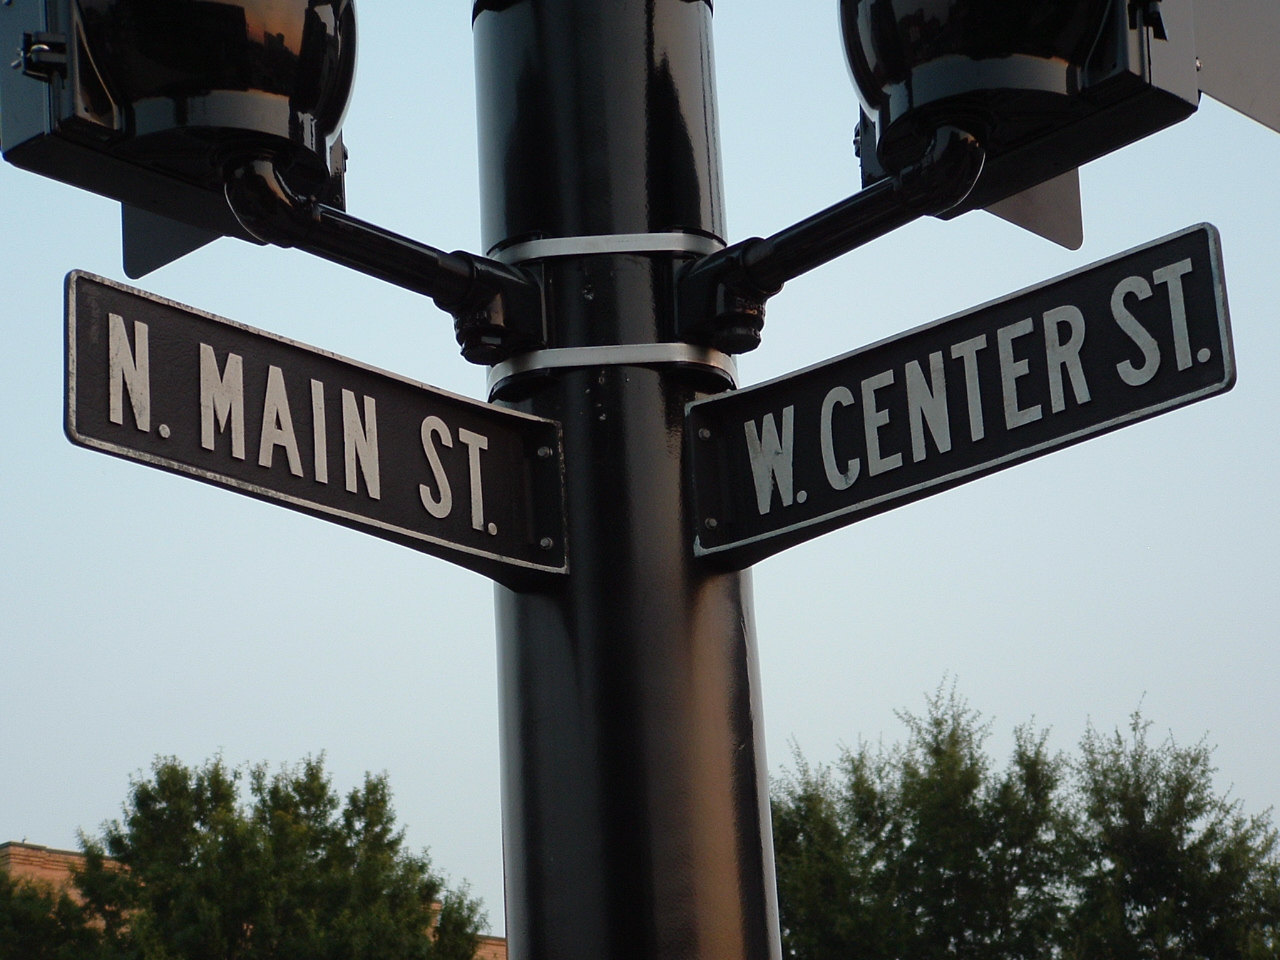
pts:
[544, 453]
[711, 523]
[547, 543]
[704, 433]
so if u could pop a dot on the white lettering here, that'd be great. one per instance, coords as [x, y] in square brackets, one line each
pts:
[928, 402]
[1011, 370]
[474, 444]
[360, 444]
[1059, 355]
[1172, 276]
[438, 508]
[277, 425]
[968, 352]
[318, 432]
[839, 480]
[129, 370]
[873, 419]
[1135, 376]
[771, 458]
[221, 398]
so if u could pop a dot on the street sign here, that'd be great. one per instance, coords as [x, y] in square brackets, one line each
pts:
[1109, 345]
[160, 383]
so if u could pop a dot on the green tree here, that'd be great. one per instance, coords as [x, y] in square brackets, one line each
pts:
[193, 872]
[922, 850]
[39, 923]
[926, 851]
[1167, 868]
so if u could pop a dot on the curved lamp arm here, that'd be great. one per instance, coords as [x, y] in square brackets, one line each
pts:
[722, 296]
[497, 309]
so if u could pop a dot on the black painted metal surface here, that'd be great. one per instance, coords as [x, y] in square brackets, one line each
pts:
[635, 794]
[596, 118]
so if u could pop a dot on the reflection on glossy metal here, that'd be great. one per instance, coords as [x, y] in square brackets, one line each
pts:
[635, 808]
[645, 103]
[243, 73]
[952, 61]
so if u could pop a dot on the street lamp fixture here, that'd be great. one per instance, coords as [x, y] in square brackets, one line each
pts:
[1045, 86]
[148, 102]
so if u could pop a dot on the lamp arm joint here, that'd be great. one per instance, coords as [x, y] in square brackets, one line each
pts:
[497, 309]
[721, 297]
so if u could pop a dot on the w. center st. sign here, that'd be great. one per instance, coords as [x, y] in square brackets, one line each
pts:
[1106, 346]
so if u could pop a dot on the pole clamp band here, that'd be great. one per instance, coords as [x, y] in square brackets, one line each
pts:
[628, 355]
[612, 243]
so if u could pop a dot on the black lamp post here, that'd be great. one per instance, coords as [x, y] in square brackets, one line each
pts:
[635, 808]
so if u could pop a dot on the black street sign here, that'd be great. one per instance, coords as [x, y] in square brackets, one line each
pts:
[160, 383]
[1109, 345]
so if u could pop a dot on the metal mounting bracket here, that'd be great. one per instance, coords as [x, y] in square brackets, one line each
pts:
[612, 243]
[628, 355]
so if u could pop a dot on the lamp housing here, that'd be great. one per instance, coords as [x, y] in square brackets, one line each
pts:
[150, 101]
[1044, 86]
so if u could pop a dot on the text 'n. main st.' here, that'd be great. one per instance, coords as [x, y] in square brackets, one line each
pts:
[166, 385]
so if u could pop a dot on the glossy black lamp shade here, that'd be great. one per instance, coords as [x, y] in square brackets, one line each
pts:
[216, 80]
[989, 66]
[1044, 85]
[152, 102]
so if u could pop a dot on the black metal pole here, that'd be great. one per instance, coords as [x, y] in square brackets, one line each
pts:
[635, 804]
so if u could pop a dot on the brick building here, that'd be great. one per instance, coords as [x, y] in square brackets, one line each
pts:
[30, 861]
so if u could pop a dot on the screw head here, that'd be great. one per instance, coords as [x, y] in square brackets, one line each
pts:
[711, 523]
[546, 543]
[544, 453]
[704, 433]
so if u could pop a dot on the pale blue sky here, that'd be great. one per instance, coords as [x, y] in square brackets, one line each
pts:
[144, 614]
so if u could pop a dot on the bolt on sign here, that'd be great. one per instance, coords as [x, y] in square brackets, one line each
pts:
[1106, 346]
[157, 382]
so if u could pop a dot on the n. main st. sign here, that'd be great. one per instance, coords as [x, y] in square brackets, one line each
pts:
[1109, 345]
[162, 384]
